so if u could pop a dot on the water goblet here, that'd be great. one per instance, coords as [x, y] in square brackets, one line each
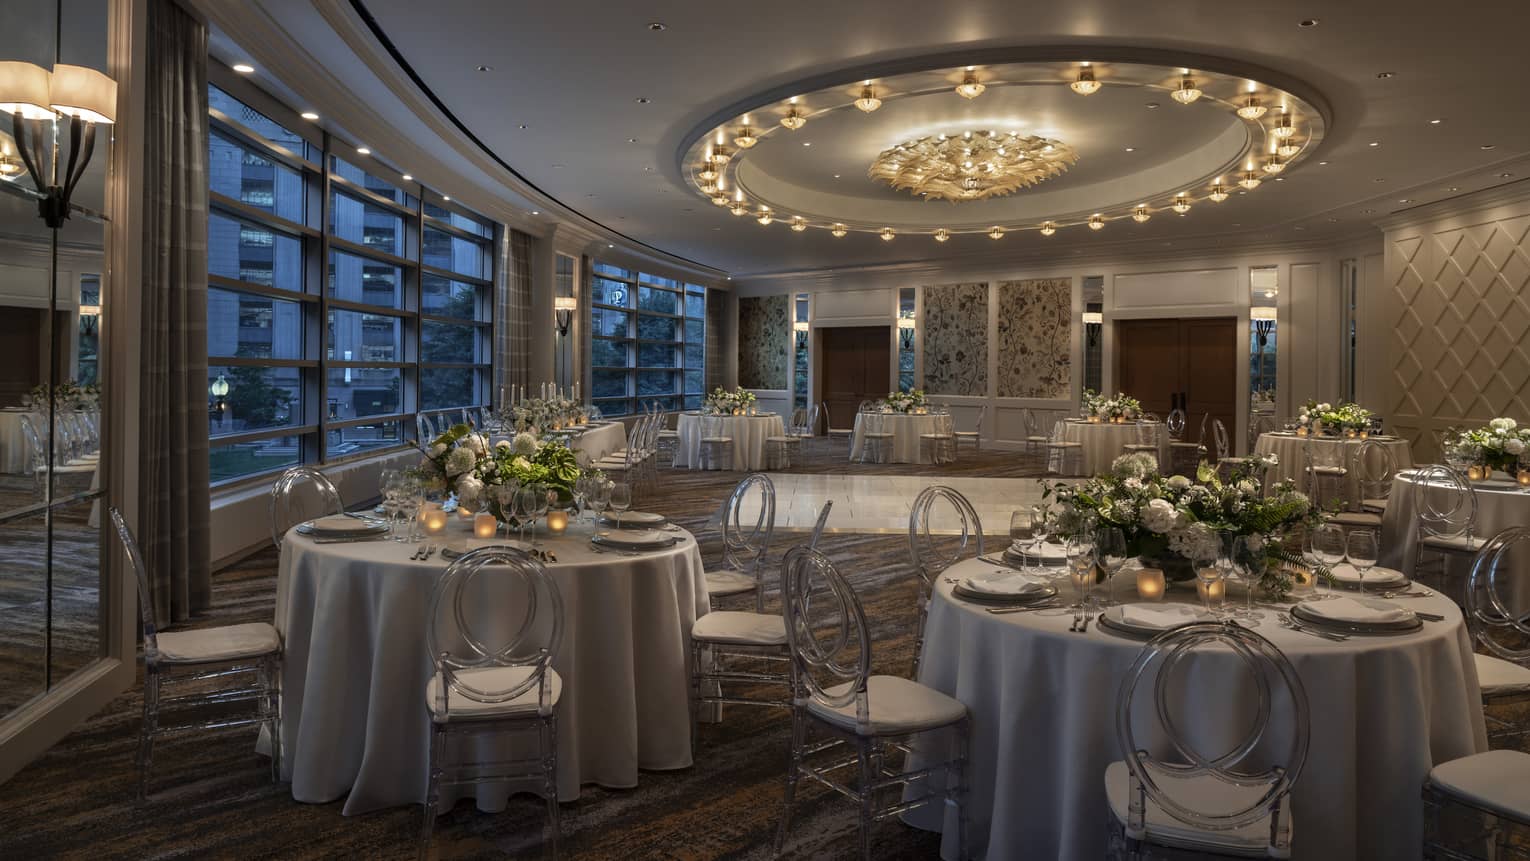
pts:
[505, 493]
[1248, 555]
[526, 510]
[1204, 559]
[1080, 554]
[1361, 552]
[1110, 553]
[600, 497]
[581, 489]
[1329, 546]
[1020, 533]
[621, 500]
[1041, 527]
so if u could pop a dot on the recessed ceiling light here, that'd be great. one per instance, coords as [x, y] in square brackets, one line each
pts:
[361, 150]
[1405, 200]
[609, 245]
[1280, 179]
[536, 212]
[309, 115]
[523, 126]
[1307, 22]
[642, 100]
[1505, 175]
[1131, 149]
[1367, 212]
[1333, 221]
[647, 169]
[836, 176]
[407, 177]
[807, 143]
[1486, 146]
[1322, 163]
[1385, 75]
[1379, 179]
[1435, 122]
[1374, 143]
[485, 68]
[1152, 106]
[1454, 188]
[243, 68]
[631, 140]
[656, 26]
[446, 197]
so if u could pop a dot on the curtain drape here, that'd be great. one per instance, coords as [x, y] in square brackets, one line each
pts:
[513, 311]
[173, 493]
[718, 325]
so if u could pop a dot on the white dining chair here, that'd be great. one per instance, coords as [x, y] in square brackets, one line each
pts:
[1376, 468]
[1226, 804]
[1148, 429]
[940, 445]
[289, 506]
[718, 449]
[844, 717]
[875, 438]
[485, 683]
[830, 430]
[1035, 440]
[744, 544]
[249, 654]
[932, 549]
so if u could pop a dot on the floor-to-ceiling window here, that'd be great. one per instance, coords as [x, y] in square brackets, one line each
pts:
[343, 297]
[648, 341]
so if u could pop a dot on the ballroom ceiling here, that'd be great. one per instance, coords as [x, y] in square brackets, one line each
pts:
[597, 108]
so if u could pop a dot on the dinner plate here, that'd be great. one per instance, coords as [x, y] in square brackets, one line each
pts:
[1044, 593]
[1347, 577]
[625, 539]
[1308, 613]
[341, 526]
[460, 546]
[1003, 583]
[635, 520]
[1049, 553]
[1147, 621]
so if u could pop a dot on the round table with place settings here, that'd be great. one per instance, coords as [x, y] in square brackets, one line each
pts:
[1288, 450]
[906, 429]
[747, 432]
[1501, 503]
[1103, 442]
[353, 619]
[1384, 710]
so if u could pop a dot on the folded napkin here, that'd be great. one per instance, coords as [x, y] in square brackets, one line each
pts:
[1004, 584]
[634, 537]
[1347, 573]
[1047, 550]
[1355, 610]
[342, 523]
[1147, 616]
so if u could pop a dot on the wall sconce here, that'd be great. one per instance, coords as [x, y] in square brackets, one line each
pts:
[33, 95]
[563, 312]
[1264, 324]
[801, 329]
[906, 331]
[1093, 322]
[219, 392]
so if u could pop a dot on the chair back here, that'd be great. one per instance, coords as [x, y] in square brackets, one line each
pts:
[1280, 754]
[423, 431]
[826, 633]
[1176, 423]
[818, 525]
[798, 422]
[746, 540]
[1029, 418]
[1445, 501]
[524, 628]
[1499, 626]
[810, 427]
[982, 414]
[286, 508]
[1148, 429]
[1219, 433]
[823, 410]
[141, 576]
[37, 453]
[866, 406]
[930, 552]
[1375, 468]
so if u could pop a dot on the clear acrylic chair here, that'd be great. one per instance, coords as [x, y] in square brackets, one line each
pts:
[1228, 805]
[855, 720]
[37, 458]
[1498, 615]
[974, 436]
[1324, 473]
[875, 438]
[1063, 456]
[1375, 467]
[1148, 429]
[1035, 440]
[486, 683]
[423, 432]
[1445, 503]
[744, 543]
[716, 446]
[248, 654]
[940, 445]
[931, 552]
[832, 432]
[289, 507]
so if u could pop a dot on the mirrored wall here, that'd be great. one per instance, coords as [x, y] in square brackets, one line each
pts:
[51, 427]
[1264, 294]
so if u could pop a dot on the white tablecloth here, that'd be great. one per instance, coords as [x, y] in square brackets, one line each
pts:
[353, 619]
[748, 433]
[13, 446]
[1103, 442]
[1287, 448]
[597, 441]
[905, 429]
[1043, 704]
[1500, 504]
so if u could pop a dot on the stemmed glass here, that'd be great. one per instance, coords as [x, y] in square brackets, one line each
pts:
[390, 482]
[526, 510]
[1041, 526]
[1209, 573]
[1362, 553]
[1110, 552]
[411, 497]
[1329, 546]
[505, 494]
[581, 489]
[621, 500]
[1020, 533]
[1081, 569]
[546, 496]
[1248, 556]
[600, 496]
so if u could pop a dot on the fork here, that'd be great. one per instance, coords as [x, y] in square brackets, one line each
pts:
[1286, 621]
[1088, 617]
[1078, 614]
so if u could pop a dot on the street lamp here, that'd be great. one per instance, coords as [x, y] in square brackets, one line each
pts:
[219, 392]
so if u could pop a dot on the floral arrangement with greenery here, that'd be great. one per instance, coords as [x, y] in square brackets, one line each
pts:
[1316, 416]
[67, 395]
[1122, 406]
[724, 402]
[543, 414]
[1169, 521]
[1501, 445]
[463, 463]
[904, 402]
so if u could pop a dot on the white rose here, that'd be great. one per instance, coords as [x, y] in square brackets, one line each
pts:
[502, 445]
[524, 444]
[1179, 483]
[460, 460]
[469, 491]
[1514, 446]
[438, 449]
[1503, 424]
[1158, 516]
[474, 443]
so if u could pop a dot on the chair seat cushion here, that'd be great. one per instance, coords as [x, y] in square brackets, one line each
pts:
[1453, 543]
[838, 431]
[740, 629]
[784, 439]
[721, 584]
[877, 435]
[1139, 447]
[1498, 781]
[668, 434]
[717, 440]
[460, 706]
[895, 705]
[1061, 444]
[1498, 677]
[226, 643]
[936, 436]
[1201, 793]
[1037, 438]
[1377, 505]
[1329, 470]
[1360, 519]
[973, 434]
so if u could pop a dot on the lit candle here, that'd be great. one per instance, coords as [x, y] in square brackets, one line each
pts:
[1523, 477]
[1301, 579]
[1210, 592]
[435, 520]
[1365, 434]
[1094, 419]
[1150, 584]
[557, 521]
[1350, 432]
[1301, 431]
[1475, 473]
[484, 525]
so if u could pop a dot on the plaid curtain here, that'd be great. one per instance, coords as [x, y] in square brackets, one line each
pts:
[512, 313]
[719, 303]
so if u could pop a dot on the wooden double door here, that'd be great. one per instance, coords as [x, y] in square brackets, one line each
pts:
[1190, 363]
[854, 365]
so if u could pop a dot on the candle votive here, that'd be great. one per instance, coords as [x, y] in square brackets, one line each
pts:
[1365, 434]
[1351, 433]
[1301, 431]
[1210, 592]
[1523, 477]
[434, 520]
[484, 525]
[1301, 580]
[1150, 584]
[557, 521]
[1094, 420]
[1475, 473]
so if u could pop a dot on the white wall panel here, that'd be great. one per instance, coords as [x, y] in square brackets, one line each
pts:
[1175, 289]
[853, 307]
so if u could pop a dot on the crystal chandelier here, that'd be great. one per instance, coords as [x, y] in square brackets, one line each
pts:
[1141, 214]
[970, 87]
[973, 165]
[1188, 92]
[1085, 85]
[794, 119]
[942, 235]
[996, 232]
[868, 101]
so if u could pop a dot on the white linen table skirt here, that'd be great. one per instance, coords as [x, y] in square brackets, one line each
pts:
[748, 433]
[1287, 449]
[599, 440]
[1500, 504]
[905, 429]
[1103, 442]
[13, 446]
[353, 620]
[1384, 710]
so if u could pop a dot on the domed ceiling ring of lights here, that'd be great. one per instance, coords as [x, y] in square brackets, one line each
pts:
[985, 152]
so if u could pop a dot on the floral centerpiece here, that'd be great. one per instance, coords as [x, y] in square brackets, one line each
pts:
[905, 402]
[723, 402]
[1319, 417]
[463, 462]
[1122, 407]
[67, 395]
[1169, 521]
[1497, 446]
[536, 415]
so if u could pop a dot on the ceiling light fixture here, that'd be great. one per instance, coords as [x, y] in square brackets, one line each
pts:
[971, 166]
[1374, 143]
[745, 138]
[1048, 228]
[1384, 75]
[1188, 92]
[1307, 22]
[838, 231]
[1181, 203]
[1141, 214]
[1486, 147]
[1218, 192]
[799, 223]
[1096, 222]
[887, 234]
[970, 87]
[996, 232]
[1274, 164]
[739, 207]
[868, 101]
[656, 26]
[243, 68]
[485, 68]
[1250, 180]
[1251, 109]
[794, 119]
[942, 235]
[1288, 148]
[1283, 127]
[407, 178]
[446, 197]
[1435, 122]
[763, 216]
[361, 150]
[642, 100]
[1085, 84]
[309, 115]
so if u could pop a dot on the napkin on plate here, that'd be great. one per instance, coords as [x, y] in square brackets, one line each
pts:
[634, 537]
[1048, 550]
[1354, 610]
[1145, 616]
[1004, 584]
[342, 523]
[1347, 573]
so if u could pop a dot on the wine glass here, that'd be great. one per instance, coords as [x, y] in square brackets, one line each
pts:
[1020, 533]
[600, 496]
[1110, 552]
[1329, 546]
[411, 497]
[526, 510]
[1248, 555]
[621, 500]
[1210, 574]
[1041, 527]
[1362, 552]
[581, 489]
[1080, 554]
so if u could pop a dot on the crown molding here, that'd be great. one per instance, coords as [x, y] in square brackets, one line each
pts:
[1511, 192]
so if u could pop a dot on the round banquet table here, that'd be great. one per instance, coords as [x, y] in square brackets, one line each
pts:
[1043, 703]
[748, 433]
[1103, 442]
[597, 440]
[13, 446]
[1287, 448]
[353, 618]
[1500, 504]
[905, 428]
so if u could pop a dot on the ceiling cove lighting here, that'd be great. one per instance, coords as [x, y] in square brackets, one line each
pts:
[1085, 84]
[1188, 92]
[970, 87]
[868, 101]
[1141, 214]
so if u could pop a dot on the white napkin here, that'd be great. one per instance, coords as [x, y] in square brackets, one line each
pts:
[1347, 573]
[1047, 550]
[1354, 610]
[1148, 616]
[342, 523]
[634, 538]
[1004, 584]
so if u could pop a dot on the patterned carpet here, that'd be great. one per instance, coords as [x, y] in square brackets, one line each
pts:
[212, 797]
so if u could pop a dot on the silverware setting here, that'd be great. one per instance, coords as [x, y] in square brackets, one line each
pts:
[350, 540]
[1403, 593]
[1088, 617]
[1429, 617]
[1029, 608]
[1288, 621]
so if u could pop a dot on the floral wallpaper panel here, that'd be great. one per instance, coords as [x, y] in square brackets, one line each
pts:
[1035, 338]
[956, 339]
[764, 329]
